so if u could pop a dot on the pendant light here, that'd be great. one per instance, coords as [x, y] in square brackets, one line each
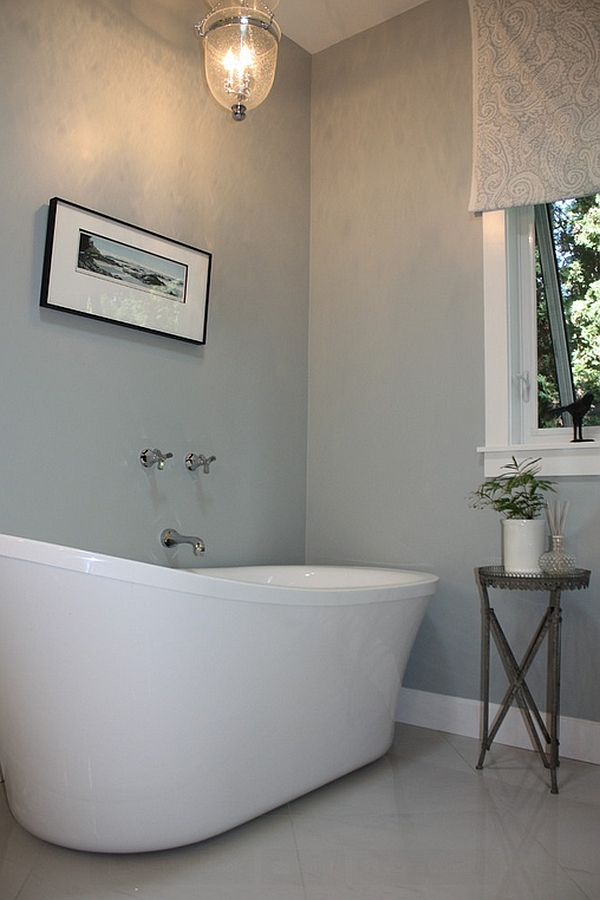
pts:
[240, 42]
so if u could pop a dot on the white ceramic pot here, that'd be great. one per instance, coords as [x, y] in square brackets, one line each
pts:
[523, 542]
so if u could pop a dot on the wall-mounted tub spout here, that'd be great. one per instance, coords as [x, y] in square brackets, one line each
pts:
[170, 537]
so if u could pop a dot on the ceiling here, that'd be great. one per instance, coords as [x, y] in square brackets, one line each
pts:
[313, 24]
[316, 24]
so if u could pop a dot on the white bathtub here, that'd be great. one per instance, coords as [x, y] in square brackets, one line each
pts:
[143, 707]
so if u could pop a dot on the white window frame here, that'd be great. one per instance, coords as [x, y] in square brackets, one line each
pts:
[511, 357]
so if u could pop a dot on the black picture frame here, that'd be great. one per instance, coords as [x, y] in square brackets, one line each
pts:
[100, 267]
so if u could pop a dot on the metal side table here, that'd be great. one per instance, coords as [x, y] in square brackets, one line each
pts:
[544, 737]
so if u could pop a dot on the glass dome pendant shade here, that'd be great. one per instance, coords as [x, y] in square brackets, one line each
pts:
[240, 53]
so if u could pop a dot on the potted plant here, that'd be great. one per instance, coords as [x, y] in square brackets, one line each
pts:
[519, 496]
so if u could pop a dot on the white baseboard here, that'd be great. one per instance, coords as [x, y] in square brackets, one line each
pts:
[579, 739]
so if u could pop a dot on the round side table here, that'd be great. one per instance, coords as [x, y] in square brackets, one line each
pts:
[544, 737]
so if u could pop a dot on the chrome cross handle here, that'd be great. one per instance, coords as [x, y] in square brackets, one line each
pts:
[193, 462]
[149, 458]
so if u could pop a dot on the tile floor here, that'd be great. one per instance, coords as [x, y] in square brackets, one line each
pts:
[419, 824]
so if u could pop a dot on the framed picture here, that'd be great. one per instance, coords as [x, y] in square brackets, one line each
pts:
[103, 268]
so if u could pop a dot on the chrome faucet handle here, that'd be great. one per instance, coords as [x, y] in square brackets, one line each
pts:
[193, 462]
[149, 458]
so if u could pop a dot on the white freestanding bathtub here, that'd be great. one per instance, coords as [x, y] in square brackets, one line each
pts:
[143, 707]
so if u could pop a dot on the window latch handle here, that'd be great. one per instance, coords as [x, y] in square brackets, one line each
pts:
[525, 386]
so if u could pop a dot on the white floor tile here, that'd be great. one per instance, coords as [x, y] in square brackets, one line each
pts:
[18, 853]
[38, 889]
[257, 860]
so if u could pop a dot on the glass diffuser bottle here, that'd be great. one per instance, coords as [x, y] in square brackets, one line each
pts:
[556, 560]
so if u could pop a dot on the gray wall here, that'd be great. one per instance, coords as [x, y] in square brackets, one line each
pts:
[104, 104]
[396, 348]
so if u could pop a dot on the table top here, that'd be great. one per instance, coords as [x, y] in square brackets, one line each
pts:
[495, 576]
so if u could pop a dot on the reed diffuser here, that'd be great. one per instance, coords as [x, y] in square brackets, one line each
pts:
[556, 561]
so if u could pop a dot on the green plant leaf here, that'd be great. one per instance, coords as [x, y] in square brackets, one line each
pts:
[518, 494]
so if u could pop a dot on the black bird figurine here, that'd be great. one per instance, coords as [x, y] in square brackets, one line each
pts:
[578, 409]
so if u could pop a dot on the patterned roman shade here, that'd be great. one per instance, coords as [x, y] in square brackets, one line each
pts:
[536, 83]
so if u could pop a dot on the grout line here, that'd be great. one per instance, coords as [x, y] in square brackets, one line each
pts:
[297, 849]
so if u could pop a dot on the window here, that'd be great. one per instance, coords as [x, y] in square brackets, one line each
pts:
[517, 333]
[567, 258]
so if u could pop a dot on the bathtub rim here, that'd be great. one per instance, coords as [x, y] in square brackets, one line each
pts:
[221, 582]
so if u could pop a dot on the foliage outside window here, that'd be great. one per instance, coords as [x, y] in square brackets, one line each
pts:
[575, 232]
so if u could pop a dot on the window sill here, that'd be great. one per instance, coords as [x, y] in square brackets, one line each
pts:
[556, 459]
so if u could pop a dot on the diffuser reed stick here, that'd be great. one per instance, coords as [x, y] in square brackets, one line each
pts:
[556, 561]
[557, 513]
